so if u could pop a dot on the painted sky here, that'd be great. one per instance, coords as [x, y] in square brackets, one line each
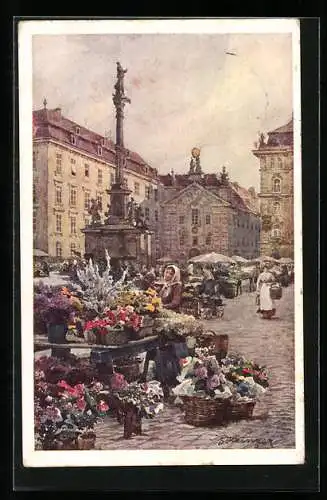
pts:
[185, 90]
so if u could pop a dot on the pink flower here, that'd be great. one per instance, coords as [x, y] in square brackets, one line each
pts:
[102, 406]
[81, 404]
[118, 381]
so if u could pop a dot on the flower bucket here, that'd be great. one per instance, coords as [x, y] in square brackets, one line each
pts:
[131, 371]
[90, 337]
[57, 335]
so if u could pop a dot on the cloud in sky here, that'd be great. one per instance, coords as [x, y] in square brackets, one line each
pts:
[185, 91]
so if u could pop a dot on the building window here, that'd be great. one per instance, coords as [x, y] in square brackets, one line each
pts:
[208, 219]
[195, 216]
[73, 166]
[86, 170]
[271, 161]
[181, 241]
[276, 207]
[99, 150]
[87, 199]
[147, 192]
[238, 223]
[73, 139]
[86, 221]
[156, 197]
[182, 219]
[280, 162]
[73, 225]
[112, 178]
[208, 239]
[136, 187]
[72, 249]
[58, 249]
[277, 185]
[34, 193]
[156, 215]
[58, 164]
[77, 130]
[34, 220]
[275, 233]
[73, 196]
[147, 213]
[58, 195]
[58, 223]
[100, 176]
[195, 240]
[99, 200]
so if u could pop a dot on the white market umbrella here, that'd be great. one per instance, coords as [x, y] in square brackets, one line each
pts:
[238, 258]
[264, 258]
[39, 253]
[285, 260]
[212, 258]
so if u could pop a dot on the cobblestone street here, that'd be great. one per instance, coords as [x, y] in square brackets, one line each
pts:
[270, 343]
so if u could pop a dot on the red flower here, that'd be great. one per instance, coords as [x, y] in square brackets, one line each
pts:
[102, 406]
[81, 404]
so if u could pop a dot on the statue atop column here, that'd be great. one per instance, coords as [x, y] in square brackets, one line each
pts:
[94, 211]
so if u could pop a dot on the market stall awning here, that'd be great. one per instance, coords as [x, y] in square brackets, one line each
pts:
[39, 253]
[265, 258]
[212, 258]
[165, 259]
[240, 259]
[285, 260]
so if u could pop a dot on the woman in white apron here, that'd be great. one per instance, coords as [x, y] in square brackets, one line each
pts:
[267, 305]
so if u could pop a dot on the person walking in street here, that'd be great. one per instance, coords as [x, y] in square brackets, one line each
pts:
[267, 307]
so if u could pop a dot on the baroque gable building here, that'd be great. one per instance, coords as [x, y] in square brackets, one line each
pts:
[276, 191]
[207, 213]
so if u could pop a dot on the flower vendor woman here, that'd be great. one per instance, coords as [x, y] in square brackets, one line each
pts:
[266, 305]
[171, 292]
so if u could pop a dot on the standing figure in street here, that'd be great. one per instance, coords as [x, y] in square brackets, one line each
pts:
[267, 306]
[171, 292]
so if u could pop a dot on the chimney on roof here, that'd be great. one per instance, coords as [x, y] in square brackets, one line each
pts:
[172, 173]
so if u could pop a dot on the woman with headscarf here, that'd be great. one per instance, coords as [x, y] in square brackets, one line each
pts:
[169, 353]
[266, 304]
[171, 292]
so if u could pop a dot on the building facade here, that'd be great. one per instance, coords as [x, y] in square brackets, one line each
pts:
[207, 213]
[71, 166]
[276, 191]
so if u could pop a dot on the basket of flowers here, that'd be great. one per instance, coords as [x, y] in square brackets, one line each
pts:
[276, 291]
[116, 327]
[248, 381]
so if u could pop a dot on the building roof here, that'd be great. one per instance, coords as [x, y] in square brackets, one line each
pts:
[50, 123]
[240, 196]
[284, 129]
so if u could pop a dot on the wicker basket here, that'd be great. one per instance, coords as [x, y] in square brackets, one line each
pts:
[203, 412]
[239, 410]
[276, 292]
[86, 442]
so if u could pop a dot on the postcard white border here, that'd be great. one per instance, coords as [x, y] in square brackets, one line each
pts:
[32, 458]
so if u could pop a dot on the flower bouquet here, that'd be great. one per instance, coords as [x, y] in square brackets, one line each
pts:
[138, 400]
[145, 303]
[65, 415]
[172, 324]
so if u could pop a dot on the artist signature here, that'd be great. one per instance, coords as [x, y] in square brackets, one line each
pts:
[255, 443]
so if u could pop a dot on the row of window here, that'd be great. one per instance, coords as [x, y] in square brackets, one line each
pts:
[73, 142]
[246, 224]
[73, 224]
[208, 241]
[59, 249]
[271, 161]
[73, 169]
[58, 171]
[73, 197]
[196, 220]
